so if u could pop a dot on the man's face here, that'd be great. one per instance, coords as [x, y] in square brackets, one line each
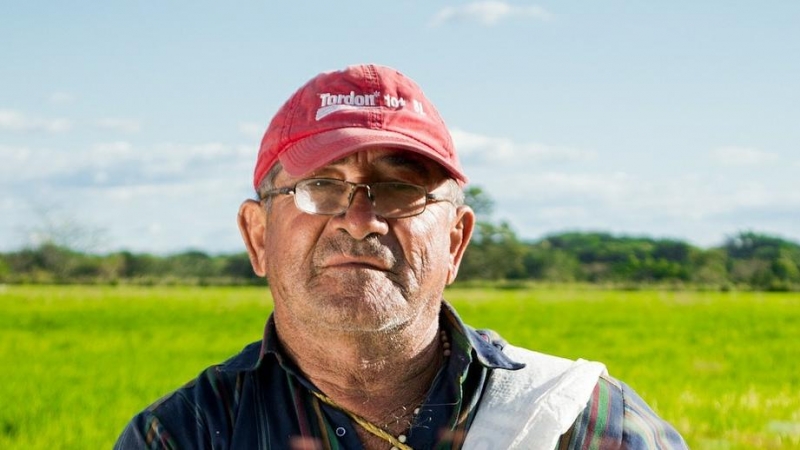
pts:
[358, 271]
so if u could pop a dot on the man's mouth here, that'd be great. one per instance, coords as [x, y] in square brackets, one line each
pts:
[357, 262]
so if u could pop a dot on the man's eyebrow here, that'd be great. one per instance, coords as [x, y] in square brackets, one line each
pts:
[341, 161]
[400, 160]
[406, 161]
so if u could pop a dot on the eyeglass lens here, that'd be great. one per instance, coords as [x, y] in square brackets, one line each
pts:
[331, 197]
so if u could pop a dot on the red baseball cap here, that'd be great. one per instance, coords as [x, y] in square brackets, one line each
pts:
[339, 113]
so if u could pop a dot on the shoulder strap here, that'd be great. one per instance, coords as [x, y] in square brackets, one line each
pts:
[531, 407]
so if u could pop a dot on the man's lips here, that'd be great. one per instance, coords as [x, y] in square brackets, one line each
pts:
[357, 262]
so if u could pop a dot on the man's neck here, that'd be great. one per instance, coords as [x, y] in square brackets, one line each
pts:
[371, 374]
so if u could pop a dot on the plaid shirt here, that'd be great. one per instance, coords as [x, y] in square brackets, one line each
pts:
[259, 400]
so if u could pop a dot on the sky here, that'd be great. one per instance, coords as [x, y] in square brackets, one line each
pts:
[135, 124]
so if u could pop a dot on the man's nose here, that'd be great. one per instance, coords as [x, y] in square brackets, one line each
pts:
[360, 219]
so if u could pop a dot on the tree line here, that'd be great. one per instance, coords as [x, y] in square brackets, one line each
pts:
[747, 260]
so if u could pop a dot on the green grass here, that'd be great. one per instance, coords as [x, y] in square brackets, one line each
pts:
[78, 362]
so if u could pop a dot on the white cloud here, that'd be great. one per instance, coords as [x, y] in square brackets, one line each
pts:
[118, 124]
[479, 149]
[61, 97]
[143, 195]
[742, 156]
[700, 207]
[16, 121]
[682, 197]
[488, 13]
[253, 130]
[122, 163]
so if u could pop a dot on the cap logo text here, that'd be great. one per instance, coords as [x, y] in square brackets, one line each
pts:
[331, 103]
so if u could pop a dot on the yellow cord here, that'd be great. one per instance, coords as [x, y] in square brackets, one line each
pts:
[365, 424]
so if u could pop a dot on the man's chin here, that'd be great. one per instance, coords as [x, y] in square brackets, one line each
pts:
[361, 314]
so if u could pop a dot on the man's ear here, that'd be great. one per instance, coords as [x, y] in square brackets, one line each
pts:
[252, 224]
[460, 234]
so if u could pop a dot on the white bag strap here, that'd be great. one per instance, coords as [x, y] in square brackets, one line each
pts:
[531, 407]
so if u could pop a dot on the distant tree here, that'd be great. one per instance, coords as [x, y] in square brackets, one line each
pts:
[495, 253]
[544, 262]
[763, 261]
[192, 263]
[754, 245]
[480, 202]
[602, 257]
[672, 250]
[60, 229]
[5, 268]
[238, 266]
[787, 265]
[56, 260]
[143, 265]
[710, 268]
[111, 267]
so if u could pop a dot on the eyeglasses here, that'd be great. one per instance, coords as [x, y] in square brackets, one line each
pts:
[331, 197]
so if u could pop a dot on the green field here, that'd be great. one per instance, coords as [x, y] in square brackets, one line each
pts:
[78, 362]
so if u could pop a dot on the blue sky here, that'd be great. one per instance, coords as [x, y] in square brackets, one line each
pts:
[135, 124]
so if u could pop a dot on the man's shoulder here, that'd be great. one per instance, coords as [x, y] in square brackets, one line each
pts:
[212, 384]
[617, 417]
[209, 401]
[614, 416]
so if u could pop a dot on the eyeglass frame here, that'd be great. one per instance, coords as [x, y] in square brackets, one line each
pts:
[354, 187]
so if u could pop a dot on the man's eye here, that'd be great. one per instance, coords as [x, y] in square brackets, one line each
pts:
[402, 188]
[323, 184]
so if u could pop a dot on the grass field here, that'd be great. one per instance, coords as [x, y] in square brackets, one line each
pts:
[77, 362]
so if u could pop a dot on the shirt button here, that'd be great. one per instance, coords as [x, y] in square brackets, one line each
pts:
[341, 431]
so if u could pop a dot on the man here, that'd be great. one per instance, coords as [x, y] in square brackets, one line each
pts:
[359, 226]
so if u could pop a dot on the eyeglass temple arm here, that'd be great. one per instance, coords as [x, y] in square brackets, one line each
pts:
[278, 191]
[433, 198]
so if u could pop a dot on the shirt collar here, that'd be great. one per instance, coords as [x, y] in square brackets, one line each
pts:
[485, 345]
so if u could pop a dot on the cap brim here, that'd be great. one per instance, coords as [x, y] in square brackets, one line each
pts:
[304, 156]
